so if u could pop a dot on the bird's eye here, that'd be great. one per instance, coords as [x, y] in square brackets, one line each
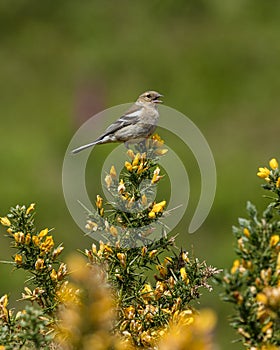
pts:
[148, 95]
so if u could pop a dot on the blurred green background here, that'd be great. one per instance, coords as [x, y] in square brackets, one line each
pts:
[216, 61]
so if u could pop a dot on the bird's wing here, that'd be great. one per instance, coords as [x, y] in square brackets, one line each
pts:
[132, 116]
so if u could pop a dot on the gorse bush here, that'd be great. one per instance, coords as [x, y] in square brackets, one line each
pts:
[109, 299]
[252, 285]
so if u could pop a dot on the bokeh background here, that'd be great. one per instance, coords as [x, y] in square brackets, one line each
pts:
[216, 61]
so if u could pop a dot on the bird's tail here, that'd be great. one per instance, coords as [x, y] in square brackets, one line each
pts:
[81, 148]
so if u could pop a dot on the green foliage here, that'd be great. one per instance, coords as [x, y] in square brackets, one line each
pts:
[28, 329]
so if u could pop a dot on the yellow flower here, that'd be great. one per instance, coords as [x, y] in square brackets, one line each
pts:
[235, 266]
[131, 154]
[43, 233]
[4, 300]
[184, 256]
[27, 238]
[35, 240]
[152, 253]
[91, 225]
[129, 312]
[146, 339]
[156, 176]
[278, 182]
[47, 245]
[147, 291]
[274, 240]
[207, 319]
[160, 289]
[113, 231]
[243, 333]
[107, 249]
[113, 172]
[30, 208]
[93, 248]
[122, 259]
[273, 164]
[144, 251]
[140, 168]
[246, 232]
[161, 152]
[130, 203]
[144, 200]
[19, 237]
[99, 201]
[158, 141]
[261, 298]
[57, 252]
[5, 221]
[162, 270]
[121, 187]
[152, 215]
[4, 313]
[39, 264]
[62, 271]
[168, 260]
[68, 294]
[183, 318]
[263, 173]
[158, 207]
[266, 327]
[188, 331]
[18, 259]
[53, 275]
[136, 159]
[108, 180]
[128, 166]
[184, 275]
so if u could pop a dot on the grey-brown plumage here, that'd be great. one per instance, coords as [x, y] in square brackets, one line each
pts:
[139, 122]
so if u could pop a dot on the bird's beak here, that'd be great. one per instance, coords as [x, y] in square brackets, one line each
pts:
[156, 100]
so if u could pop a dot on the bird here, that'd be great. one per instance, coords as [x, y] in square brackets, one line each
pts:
[139, 122]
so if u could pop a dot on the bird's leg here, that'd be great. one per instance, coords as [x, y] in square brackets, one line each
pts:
[142, 146]
[138, 146]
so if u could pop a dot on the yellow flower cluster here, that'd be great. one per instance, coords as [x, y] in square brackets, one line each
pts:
[137, 315]
[138, 164]
[99, 205]
[86, 321]
[4, 313]
[190, 331]
[42, 241]
[265, 173]
[5, 221]
[185, 330]
[111, 177]
[157, 208]
[36, 253]
[156, 144]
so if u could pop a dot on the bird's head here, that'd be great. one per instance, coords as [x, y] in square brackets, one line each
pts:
[150, 96]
